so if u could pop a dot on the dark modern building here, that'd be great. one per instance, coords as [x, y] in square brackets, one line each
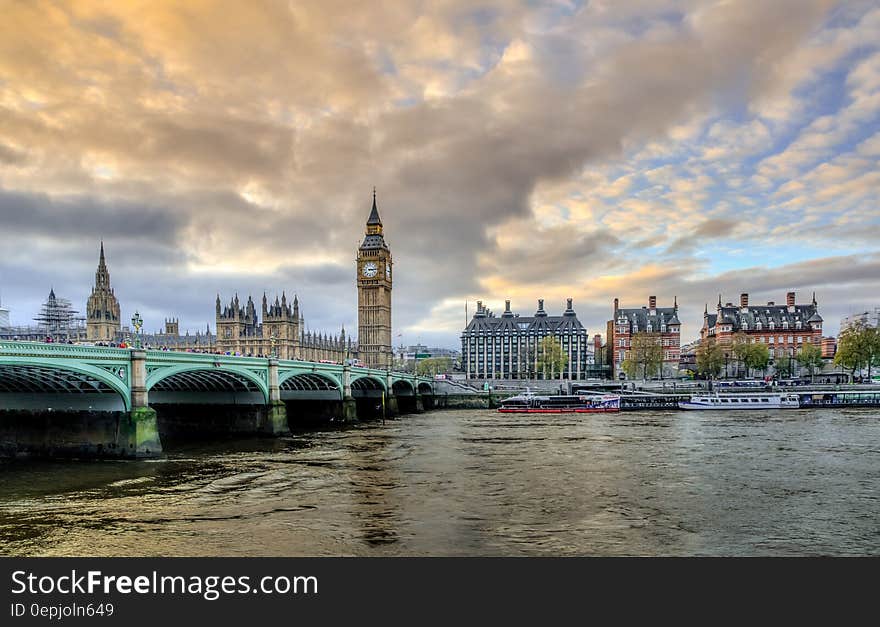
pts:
[508, 346]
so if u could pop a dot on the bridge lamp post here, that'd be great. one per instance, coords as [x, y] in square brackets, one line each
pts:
[272, 340]
[137, 322]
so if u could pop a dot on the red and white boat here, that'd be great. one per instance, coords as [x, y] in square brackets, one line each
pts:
[528, 403]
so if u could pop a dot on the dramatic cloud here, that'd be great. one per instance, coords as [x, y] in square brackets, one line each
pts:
[586, 150]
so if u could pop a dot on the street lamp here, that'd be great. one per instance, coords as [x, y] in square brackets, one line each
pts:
[137, 322]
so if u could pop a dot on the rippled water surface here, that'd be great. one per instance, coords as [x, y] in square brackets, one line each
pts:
[799, 482]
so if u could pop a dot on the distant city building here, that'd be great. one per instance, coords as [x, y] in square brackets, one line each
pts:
[829, 347]
[4, 317]
[408, 356]
[783, 328]
[508, 347]
[660, 321]
[688, 356]
[865, 318]
[103, 321]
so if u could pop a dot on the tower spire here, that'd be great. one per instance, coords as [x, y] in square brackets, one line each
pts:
[374, 213]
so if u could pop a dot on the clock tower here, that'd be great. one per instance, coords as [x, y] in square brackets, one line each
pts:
[374, 295]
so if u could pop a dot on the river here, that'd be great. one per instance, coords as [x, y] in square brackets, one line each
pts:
[474, 482]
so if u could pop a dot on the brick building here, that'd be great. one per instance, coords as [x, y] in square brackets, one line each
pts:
[626, 323]
[783, 328]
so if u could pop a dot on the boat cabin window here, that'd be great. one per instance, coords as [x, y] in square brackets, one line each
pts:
[724, 400]
[765, 400]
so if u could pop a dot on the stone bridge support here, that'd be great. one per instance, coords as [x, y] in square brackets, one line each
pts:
[141, 438]
[349, 405]
[391, 406]
[276, 410]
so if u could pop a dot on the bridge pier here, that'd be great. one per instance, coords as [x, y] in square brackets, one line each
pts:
[142, 435]
[392, 408]
[276, 411]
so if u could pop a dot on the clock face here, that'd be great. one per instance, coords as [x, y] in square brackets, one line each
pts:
[388, 271]
[369, 269]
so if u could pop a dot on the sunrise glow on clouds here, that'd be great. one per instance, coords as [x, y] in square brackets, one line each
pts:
[521, 150]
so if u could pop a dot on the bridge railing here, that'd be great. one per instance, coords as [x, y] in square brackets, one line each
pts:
[51, 349]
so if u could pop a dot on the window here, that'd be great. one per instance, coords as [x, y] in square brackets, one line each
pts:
[765, 400]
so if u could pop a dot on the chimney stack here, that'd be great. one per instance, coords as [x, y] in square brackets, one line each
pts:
[652, 302]
[615, 307]
[507, 306]
[479, 306]
[789, 299]
[744, 300]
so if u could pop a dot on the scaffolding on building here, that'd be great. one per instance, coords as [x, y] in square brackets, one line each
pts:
[58, 320]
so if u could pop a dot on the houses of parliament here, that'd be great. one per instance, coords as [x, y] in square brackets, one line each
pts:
[279, 328]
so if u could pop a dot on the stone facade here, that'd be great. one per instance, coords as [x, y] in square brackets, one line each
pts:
[374, 281]
[279, 332]
[103, 320]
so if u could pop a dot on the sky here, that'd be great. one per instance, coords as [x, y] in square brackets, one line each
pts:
[520, 150]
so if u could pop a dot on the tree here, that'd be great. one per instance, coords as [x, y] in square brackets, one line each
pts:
[551, 358]
[784, 365]
[710, 358]
[433, 365]
[742, 349]
[758, 356]
[630, 367]
[645, 355]
[857, 348]
[810, 358]
[872, 342]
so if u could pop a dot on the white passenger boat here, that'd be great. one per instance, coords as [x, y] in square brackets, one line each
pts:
[741, 401]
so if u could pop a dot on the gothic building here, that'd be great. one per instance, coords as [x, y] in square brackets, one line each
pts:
[103, 321]
[374, 295]
[279, 331]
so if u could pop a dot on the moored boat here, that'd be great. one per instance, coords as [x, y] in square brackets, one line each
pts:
[741, 401]
[563, 404]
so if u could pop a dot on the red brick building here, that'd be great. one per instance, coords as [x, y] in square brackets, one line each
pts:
[651, 319]
[783, 328]
[829, 347]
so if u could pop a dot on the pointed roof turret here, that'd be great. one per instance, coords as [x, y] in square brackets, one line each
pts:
[374, 238]
[374, 214]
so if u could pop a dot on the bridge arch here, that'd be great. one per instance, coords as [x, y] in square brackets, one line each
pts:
[402, 387]
[426, 388]
[203, 379]
[307, 380]
[367, 382]
[35, 376]
[310, 385]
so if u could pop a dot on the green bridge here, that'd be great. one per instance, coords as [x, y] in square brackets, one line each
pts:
[71, 399]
